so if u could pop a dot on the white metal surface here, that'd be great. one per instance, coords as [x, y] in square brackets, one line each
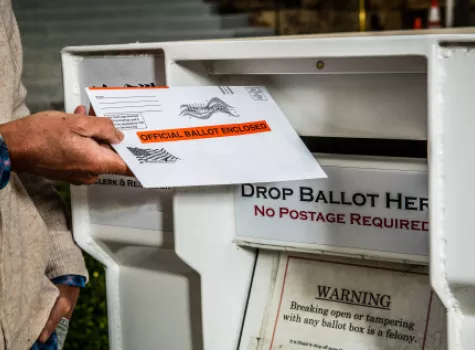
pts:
[197, 264]
[451, 186]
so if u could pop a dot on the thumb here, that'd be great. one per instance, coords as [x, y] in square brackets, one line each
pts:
[128, 172]
[80, 110]
[57, 312]
[112, 163]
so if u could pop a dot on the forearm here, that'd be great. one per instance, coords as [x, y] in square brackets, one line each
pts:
[65, 257]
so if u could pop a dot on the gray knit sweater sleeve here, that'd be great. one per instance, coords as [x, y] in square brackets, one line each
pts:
[65, 256]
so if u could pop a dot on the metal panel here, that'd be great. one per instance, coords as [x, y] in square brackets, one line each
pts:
[451, 186]
[204, 217]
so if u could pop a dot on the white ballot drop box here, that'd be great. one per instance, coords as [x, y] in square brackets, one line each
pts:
[377, 256]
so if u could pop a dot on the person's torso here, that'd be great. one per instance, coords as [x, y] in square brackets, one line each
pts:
[26, 294]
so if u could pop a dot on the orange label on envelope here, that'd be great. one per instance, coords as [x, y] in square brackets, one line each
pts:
[203, 132]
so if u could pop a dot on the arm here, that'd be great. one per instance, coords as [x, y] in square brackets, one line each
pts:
[65, 257]
[66, 267]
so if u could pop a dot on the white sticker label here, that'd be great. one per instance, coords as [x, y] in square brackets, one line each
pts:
[322, 305]
[128, 121]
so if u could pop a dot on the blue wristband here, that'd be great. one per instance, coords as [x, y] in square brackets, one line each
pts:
[5, 164]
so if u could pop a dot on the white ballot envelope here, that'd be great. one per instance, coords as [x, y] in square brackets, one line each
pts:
[204, 135]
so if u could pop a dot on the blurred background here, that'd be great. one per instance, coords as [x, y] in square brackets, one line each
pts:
[48, 26]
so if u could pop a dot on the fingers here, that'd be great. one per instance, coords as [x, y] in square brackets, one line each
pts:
[99, 128]
[80, 110]
[83, 179]
[106, 146]
[112, 163]
[98, 159]
[71, 294]
[62, 307]
[129, 172]
[90, 179]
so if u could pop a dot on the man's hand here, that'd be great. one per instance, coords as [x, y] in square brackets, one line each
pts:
[64, 307]
[60, 146]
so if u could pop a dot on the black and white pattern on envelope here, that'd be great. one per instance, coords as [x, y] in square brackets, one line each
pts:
[150, 155]
[207, 109]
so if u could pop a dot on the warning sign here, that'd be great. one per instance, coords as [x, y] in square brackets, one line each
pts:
[350, 306]
[203, 132]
